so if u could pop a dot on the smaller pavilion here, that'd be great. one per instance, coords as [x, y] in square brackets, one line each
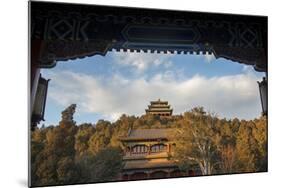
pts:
[148, 155]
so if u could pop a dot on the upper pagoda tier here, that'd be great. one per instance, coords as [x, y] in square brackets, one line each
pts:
[161, 108]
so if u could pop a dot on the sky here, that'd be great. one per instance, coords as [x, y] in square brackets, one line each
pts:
[105, 87]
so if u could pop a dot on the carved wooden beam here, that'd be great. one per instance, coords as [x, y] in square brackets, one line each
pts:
[75, 31]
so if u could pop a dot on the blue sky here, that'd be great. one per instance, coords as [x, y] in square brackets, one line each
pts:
[104, 87]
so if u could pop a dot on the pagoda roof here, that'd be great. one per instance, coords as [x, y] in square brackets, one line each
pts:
[146, 164]
[159, 110]
[148, 134]
[159, 106]
[159, 102]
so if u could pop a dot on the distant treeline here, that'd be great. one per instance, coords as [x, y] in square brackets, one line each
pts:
[70, 153]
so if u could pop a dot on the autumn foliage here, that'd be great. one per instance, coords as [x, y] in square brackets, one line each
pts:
[68, 153]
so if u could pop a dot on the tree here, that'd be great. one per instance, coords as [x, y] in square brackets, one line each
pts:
[105, 165]
[195, 141]
[260, 134]
[67, 171]
[53, 162]
[68, 153]
[101, 138]
[82, 138]
[228, 154]
[37, 146]
[121, 128]
[247, 148]
[227, 146]
[67, 114]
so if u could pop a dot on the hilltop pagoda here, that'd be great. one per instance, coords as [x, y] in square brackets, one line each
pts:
[160, 108]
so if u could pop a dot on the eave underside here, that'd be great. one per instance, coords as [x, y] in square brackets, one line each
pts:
[70, 31]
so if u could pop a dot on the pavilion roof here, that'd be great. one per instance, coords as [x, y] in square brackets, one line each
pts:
[148, 134]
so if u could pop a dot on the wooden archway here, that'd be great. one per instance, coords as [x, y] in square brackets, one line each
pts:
[61, 31]
[69, 31]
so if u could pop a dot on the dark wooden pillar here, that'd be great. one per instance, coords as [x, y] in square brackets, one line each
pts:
[34, 72]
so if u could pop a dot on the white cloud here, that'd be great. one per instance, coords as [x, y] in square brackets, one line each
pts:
[142, 61]
[229, 96]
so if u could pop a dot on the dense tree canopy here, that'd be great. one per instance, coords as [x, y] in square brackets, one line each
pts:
[68, 153]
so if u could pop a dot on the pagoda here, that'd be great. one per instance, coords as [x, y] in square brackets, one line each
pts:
[160, 108]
